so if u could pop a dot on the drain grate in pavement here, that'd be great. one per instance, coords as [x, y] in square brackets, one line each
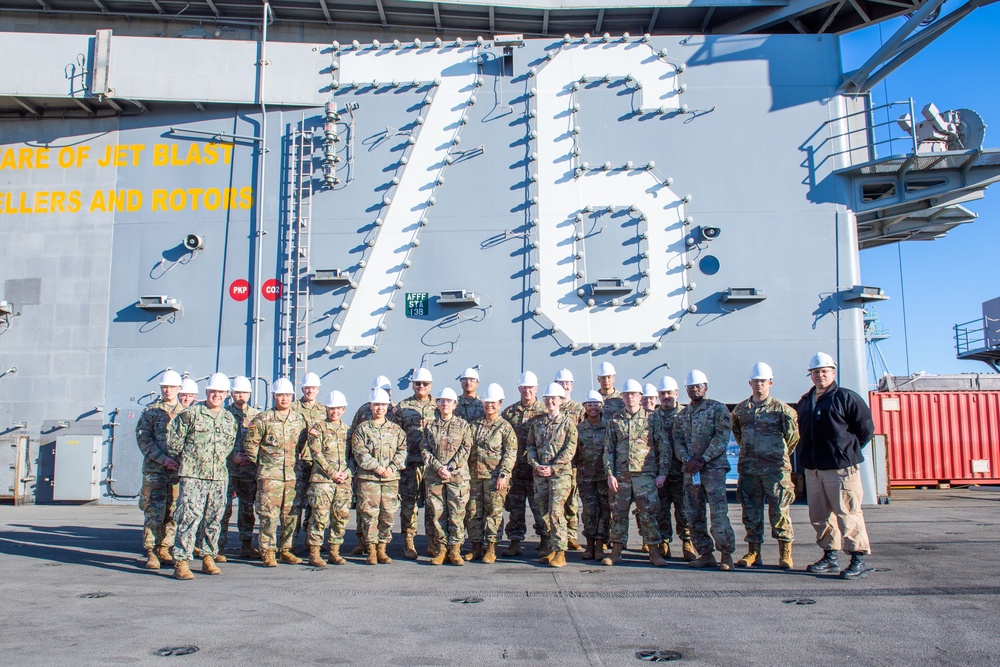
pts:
[94, 596]
[658, 655]
[468, 600]
[799, 601]
[925, 548]
[172, 651]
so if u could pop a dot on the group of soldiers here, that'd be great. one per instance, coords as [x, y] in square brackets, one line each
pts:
[468, 459]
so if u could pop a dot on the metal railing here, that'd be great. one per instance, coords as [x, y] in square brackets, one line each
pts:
[879, 136]
[974, 336]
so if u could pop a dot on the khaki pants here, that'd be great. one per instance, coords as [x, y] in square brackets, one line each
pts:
[835, 509]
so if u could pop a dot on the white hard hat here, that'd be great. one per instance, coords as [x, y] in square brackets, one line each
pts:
[170, 379]
[240, 383]
[218, 382]
[593, 396]
[494, 392]
[381, 382]
[554, 389]
[650, 391]
[469, 373]
[447, 394]
[761, 371]
[667, 383]
[189, 386]
[421, 375]
[695, 377]
[822, 360]
[282, 386]
[528, 379]
[564, 375]
[605, 369]
[312, 380]
[336, 399]
[631, 387]
[380, 396]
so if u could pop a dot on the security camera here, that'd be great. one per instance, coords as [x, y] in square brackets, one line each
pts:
[194, 242]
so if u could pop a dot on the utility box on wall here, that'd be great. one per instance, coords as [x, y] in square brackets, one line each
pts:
[77, 467]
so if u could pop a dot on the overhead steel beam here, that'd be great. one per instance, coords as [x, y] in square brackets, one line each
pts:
[831, 16]
[437, 16]
[156, 5]
[326, 11]
[708, 19]
[797, 24]
[600, 21]
[545, 22]
[101, 6]
[861, 12]
[493, 21]
[770, 16]
[211, 5]
[82, 105]
[652, 19]
[44, 5]
[30, 108]
[381, 13]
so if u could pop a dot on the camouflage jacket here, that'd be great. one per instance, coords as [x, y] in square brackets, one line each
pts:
[494, 447]
[573, 409]
[703, 430]
[447, 444]
[151, 435]
[552, 442]
[378, 446]
[767, 435]
[661, 426]
[243, 419]
[628, 447]
[201, 442]
[273, 441]
[590, 451]
[469, 409]
[613, 403]
[327, 443]
[413, 415]
[313, 413]
[520, 416]
[364, 413]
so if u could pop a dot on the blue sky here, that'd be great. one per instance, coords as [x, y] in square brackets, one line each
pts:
[944, 281]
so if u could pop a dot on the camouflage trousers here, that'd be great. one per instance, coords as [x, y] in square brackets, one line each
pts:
[378, 502]
[444, 508]
[596, 509]
[776, 492]
[550, 497]
[245, 491]
[411, 480]
[200, 504]
[275, 500]
[698, 498]
[522, 490]
[158, 501]
[485, 511]
[640, 489]
[573, 510]
[672, 494]
[303, 471]
[331, 506]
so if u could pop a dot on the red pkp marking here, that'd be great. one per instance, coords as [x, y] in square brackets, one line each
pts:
[239, 290]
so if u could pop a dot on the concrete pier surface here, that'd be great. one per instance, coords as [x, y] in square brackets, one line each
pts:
[76, 593]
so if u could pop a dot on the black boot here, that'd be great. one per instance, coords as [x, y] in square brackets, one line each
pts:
[857, 568]
[828, 563]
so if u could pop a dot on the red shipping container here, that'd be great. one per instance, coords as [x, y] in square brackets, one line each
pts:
[937, 437]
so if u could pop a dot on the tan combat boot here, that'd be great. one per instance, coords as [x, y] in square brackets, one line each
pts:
[476, 553]
[705, 560]
[221, 557]
[588, 553]
[513, 549]
[598, 550]
[573, 545]
[665, 549]
[752, 557]
[152, 562]
[208, 565]
[558, 559]
[315, 559]
[409, 550]
[335, 558]
[491, 553]
[163, 553]
[182, 571]
[286, 556]
[616, 554]
[372, 555]
[433, 547]
[785, 555]
[688, 551]
[381, 555]
[438, 557]
[455, 554]
[726, 564]
[655, 557]
[196, 552]
[268, 557]
[359, 548]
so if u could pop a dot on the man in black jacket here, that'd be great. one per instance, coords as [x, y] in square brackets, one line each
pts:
[834, 424]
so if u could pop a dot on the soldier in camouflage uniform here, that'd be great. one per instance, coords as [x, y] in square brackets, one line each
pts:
[631, 465]
[767, 432]
[159, 473]
[445, 450]
[564, 378]
[242, 476]
[491, 462]
[650, 398]
[522, 486]
[671, 482]
[412, 415]
[469, 408]
[551, 449]
[613, 402]
[313, 413]
[188, 393]
[201, 439]
[363, 414]
[701, 434]
[274, 438]
[592, 482]
[329, 491]
[380, 451]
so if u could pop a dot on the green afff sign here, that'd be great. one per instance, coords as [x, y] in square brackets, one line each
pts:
[417, 304]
